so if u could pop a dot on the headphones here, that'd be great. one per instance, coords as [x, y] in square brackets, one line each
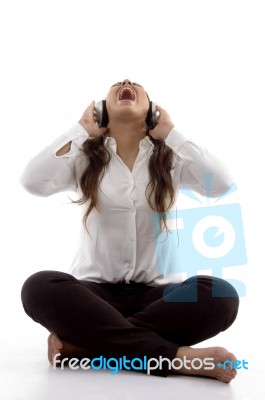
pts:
[102, 119]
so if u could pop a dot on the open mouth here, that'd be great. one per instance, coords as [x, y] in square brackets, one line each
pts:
[126, 93]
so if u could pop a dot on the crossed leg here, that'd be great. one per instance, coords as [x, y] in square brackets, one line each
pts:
[86, 318]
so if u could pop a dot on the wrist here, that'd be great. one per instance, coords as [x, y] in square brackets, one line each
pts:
[170, 127]
[84, 124]
[166, 131]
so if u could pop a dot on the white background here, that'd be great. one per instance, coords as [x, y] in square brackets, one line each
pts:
[204, 62]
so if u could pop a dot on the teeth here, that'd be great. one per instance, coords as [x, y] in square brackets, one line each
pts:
[126, 88]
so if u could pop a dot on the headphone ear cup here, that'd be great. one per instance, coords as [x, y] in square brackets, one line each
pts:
[149, 115]
[101, 114]
[152, 116]
[105, 116]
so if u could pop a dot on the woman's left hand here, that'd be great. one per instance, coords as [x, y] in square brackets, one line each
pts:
[164, 125]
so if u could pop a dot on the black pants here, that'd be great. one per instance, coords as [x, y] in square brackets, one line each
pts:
[132, 320]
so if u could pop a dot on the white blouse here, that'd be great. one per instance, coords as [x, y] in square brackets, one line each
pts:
[121, 245]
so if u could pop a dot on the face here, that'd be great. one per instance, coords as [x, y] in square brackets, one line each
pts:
[127, 100]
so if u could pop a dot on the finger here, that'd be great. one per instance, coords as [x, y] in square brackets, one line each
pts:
[91, 109]
[91, 105]
[159, 108]
[103, 130]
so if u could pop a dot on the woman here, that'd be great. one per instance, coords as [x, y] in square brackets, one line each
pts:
[116, 301]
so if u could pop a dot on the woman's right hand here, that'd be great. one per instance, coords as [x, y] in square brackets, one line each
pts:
[88, 122]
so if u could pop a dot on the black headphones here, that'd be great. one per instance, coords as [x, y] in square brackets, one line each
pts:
[102, 118]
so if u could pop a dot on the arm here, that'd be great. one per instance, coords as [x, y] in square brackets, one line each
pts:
[52, 170]
[200, 171]
[65, 149]
[195, 167]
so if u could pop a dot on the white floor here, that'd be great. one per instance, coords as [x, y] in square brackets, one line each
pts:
[26, 374]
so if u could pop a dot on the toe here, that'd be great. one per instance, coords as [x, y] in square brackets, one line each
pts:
[54, 346]
[56, 342]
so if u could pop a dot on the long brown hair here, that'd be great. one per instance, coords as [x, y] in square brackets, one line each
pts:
[160, 185]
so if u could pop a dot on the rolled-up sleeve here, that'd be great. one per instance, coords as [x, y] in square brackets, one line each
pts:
[46, 173]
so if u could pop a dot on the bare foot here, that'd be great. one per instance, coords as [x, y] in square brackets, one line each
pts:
[218, 356]
[56, 345]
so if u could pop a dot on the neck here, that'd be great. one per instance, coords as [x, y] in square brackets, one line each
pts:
[127, 136]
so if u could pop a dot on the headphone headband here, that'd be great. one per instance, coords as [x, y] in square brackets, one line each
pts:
[101, 114]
